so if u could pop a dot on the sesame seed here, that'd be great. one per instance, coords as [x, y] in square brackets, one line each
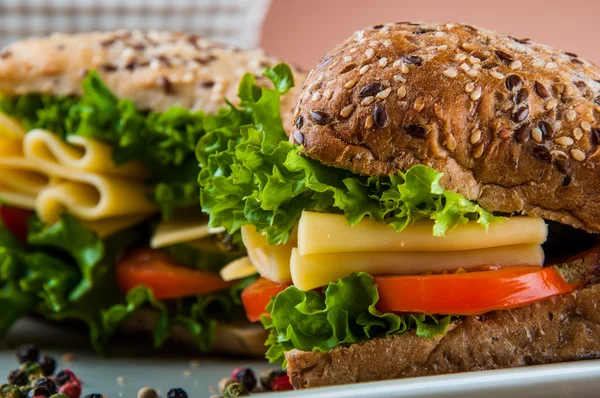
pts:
[551, 65]
[578, 155]
[464, 67]
[476, 94]
[128, 54]
[451, 142]
[460, 57]
[475, 137]
[369, 53]
[347, 111]
[316, 96]
[536, 134]
[419, 104]
[496, 75]
[557, 125]
[476, 66]
[187, 77]
[401, 91]
[399, 78]
[368, 100]
[330, 83]
[538, 63]
[364, 69]
[350, 83]
[397, 63]
[450, 72]
[385, 93]
[577, 133]
[353, 50]
[571, 115]
[473, 73]
[564, 141]
[404, 68]
[369, 122]
[550, 105]
[387, 42]
[327, 94]
[469, 87]
[586, 126]
[347, 58]
[155, 64]
[383, 62]
[516, 64]
[478, 151]
[474, 60]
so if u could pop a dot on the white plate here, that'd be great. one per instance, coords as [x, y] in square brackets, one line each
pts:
[142, 368]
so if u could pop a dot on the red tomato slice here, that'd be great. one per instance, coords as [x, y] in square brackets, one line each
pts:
[256, 297]
[472, 293]
[15, 220]
[166, 278]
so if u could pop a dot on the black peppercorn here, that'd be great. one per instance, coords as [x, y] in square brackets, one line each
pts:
[17, 377]
[245, 376]
[38, 392]
[61, 378]
[94, 396]
[46, 383]
[27, 353]
[48, 365]
[177, 393]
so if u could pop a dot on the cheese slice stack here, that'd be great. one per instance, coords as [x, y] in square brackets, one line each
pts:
[327, 248]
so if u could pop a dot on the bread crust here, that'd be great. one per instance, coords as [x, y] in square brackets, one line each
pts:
[560, 329]
[239, 338]
[154, 69]
[514, 125]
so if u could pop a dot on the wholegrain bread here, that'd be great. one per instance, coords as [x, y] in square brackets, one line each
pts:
[514, 125]
[156, 70]
[560, 329]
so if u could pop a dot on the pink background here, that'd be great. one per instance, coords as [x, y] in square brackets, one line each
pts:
[301, 31]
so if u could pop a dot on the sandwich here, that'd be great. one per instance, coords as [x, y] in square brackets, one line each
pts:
[435, 209]
[100, 222]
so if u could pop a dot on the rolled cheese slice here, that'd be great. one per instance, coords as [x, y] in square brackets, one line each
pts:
[271, 262]
[237, 269]
[315, 270]
[330, 233]
[181, 229]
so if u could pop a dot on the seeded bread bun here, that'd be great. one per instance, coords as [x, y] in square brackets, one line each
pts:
[154, 69]
[513, 125]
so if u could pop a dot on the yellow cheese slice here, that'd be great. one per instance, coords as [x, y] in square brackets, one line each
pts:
[271, 262]
[181, 229]
[10, 128]
[315, 270]
[237, 269]
[330, 233]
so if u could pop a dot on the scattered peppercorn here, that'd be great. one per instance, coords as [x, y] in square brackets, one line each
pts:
[235, 390]
[281, 383]
[48, 365]
[245, 376]
[38, 392]
[177, 393]
[48, 384]
[216, 396]
[224, 382]
[27, 353]
[94, 396]
[61, 378]
[59, 396]
[147, 392]
[17, 377]
[71, 389]
[32, 370]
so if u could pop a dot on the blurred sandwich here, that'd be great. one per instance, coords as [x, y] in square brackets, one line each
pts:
[100, 220]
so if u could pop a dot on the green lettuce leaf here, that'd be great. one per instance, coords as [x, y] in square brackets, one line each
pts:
[346, 314]
[254, 175]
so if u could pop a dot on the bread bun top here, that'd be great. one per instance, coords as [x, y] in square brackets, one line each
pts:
[154, 69]
[514, 125]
